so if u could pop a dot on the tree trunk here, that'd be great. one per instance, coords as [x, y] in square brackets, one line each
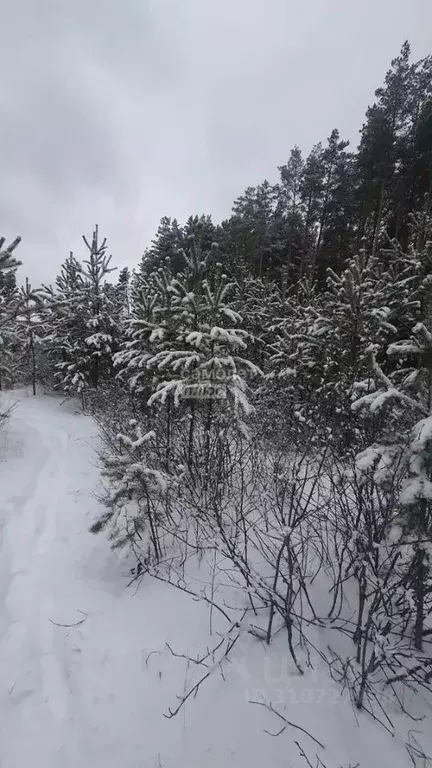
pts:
[420, 574]
[191, 433]
[168, 433]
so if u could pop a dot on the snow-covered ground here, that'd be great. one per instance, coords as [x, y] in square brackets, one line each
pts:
[94, 694]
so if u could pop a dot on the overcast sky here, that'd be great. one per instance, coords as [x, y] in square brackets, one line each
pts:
[122, 111]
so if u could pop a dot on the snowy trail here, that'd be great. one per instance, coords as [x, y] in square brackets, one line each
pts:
[94, 695]
[34, 697]
[59, 685]
[85, 695]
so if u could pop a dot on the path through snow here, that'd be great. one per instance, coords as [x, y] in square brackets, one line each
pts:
[70, 696]
[85, 696]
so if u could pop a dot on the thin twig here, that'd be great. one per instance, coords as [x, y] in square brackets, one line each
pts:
[270, 707]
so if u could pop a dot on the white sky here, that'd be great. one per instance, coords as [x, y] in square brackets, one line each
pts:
[122, 112]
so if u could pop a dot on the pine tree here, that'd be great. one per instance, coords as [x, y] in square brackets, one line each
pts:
[131, 359]
[7, 259]
[8, 339]
[358, 309]
[83, 327]
[250, 228]
[296, 365]
[204, 325]
[389, 150]
[100, 323]
[165, 245]
[138, 490]
[320, 351]
[405, 393]
[259, 302]
[29, 330]
[333, 206]
[183, 343]
[145, 359]
[289, 207]
[9, 304]
[67, 327]
[311, 189]
[203, 232]
[123, 292]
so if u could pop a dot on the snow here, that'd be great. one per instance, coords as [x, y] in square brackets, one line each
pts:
[414, 489]
[94, 694]
[227, 336]
[422, 434]
[382, 398]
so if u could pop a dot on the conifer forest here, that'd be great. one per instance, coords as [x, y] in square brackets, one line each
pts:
[261, 388]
